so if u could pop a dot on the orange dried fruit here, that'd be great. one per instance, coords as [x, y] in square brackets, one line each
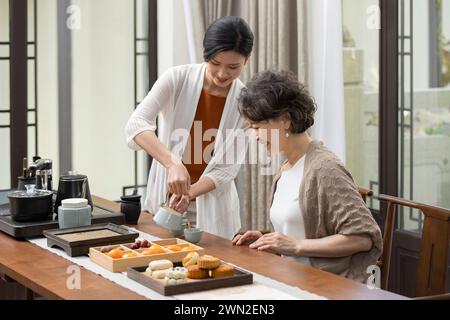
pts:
[116, 253]
[188, 248]
[148, 252]
[157, 248]
[130, 255]
[174, 248]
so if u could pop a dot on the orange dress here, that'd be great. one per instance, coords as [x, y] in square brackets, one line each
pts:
[208, 115]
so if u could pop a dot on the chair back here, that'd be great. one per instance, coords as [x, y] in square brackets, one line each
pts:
[433, 256]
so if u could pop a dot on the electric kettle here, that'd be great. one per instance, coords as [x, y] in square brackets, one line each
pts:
[73, 186]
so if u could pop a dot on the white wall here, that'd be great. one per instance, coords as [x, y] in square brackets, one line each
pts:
[172, 40]
[103, 94]
[48, 84]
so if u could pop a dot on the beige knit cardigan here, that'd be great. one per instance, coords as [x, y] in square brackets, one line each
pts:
[331, 204]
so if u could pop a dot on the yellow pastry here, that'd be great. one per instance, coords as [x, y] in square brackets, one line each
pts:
[208, 262]
[190, 259]
[224, 270]
[194, 272]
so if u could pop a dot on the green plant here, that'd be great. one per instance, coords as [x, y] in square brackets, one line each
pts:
[437, 129]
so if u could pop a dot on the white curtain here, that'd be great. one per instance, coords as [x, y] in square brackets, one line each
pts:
[192, 48]
[279, 27]
[199, 14]
[326, 80]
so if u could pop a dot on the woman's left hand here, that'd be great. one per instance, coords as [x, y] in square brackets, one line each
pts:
[277, 242]
[179, 203]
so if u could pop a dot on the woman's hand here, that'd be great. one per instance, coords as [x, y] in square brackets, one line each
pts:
[179, 203]
[178, 179]
[278, 243]
[247, 238]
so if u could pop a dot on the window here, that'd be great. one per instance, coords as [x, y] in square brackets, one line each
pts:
[93, 67]
[361, 90]
[424, 106]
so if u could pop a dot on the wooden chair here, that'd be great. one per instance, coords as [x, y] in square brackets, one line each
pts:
[433, 256]
[365, 193]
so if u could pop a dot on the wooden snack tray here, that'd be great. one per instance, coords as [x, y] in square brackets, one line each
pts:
[122, 264]
[77, 241]
[240, 277]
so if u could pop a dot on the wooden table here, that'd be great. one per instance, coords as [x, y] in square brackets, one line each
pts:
[46, 273]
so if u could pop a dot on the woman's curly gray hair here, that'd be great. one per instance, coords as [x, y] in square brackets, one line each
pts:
[274, 94]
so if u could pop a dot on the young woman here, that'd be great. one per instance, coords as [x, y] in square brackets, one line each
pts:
[190, 101]
[318, 216]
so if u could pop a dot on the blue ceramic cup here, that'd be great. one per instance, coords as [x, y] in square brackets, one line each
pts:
[193, 235]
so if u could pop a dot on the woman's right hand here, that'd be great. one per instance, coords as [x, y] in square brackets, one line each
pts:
[178, 179]
[247, 238]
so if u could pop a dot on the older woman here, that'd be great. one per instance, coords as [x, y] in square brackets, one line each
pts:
[317, 214]
[191, 102]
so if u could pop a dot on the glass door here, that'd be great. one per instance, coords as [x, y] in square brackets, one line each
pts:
[424, 106]
[423, 128]
[361, 38]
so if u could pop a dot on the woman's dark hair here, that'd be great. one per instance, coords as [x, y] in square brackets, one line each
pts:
[274, 94]
[225, 34]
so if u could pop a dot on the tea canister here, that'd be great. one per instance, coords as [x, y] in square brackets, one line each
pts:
[74, 212]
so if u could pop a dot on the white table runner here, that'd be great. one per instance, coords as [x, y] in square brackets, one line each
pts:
[263, 288]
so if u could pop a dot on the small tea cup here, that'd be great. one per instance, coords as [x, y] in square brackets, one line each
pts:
[193, 235]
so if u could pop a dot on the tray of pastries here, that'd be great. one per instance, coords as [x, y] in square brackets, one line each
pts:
[195, 272]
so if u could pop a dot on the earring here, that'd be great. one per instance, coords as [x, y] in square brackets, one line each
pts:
[287, 134]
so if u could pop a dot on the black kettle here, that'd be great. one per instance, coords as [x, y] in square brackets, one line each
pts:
[73, 186]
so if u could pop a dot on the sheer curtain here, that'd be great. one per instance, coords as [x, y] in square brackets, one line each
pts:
[280, 43]
[199, 14]
[326, 78]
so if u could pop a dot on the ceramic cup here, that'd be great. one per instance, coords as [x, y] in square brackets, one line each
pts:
[131, 210]
[193, 235]
[130, 206]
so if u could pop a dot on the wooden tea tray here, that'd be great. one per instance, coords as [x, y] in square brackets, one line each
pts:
[121, 265]
[240, 277]
[77, 241]
[31, 229]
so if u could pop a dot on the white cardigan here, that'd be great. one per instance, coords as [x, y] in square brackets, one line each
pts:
[174, 98]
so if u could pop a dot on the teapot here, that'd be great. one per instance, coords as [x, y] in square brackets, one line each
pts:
[171, 219]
